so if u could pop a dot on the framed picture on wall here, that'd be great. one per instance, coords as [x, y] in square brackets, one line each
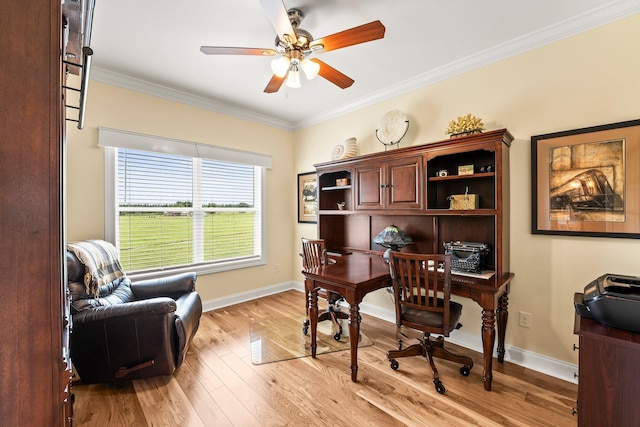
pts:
[586, 182]
[308, 197]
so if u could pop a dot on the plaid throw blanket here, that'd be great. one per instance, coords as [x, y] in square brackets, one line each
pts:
[101, 263]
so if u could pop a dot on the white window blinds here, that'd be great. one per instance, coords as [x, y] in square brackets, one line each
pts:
[172, 211]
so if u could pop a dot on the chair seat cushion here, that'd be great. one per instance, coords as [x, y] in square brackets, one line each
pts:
[434, 319]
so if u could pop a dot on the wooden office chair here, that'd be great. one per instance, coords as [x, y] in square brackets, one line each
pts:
[421, 288]
[314, 254]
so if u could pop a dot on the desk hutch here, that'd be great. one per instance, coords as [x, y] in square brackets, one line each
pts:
[404, 186]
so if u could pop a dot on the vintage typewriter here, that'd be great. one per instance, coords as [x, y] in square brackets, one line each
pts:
[466, 256]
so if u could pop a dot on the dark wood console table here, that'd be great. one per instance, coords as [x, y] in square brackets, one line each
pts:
[355, 275]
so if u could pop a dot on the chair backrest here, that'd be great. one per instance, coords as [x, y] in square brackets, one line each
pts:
[422, 286]
[314, 253]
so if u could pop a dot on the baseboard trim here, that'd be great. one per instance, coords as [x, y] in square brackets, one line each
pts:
[238, 298]
[527, 359]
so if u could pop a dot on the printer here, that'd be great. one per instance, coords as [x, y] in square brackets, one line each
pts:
[613, 300]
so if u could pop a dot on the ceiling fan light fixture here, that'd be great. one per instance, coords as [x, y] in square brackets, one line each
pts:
[293, 79]
[280, 66]
[310, 68]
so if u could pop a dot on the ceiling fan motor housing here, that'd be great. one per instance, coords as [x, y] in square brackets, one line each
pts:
[295, 17]
[304, 37]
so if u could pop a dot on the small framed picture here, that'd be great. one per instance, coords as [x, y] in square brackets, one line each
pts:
[465, 170]
[308, 197]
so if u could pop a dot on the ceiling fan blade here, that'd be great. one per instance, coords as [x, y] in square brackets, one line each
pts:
[274, 84]
[356, 35]
[334, 76]
[279, 18]
[219, 50]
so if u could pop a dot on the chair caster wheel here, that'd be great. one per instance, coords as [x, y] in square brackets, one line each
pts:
[439, 387]
[394, 364]
[337, 336]
[465, 370]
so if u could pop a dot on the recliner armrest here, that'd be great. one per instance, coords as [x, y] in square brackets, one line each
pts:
[135, 309]
[169, 286]
[187, 320]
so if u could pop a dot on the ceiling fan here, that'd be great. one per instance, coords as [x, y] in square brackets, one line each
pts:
[294, 45]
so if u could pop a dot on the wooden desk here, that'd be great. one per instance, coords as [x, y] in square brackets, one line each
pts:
[352, 276]
[355, 275]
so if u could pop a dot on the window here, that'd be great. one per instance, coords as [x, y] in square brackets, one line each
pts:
[179, 212]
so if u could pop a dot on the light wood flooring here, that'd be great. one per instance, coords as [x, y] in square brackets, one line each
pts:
[219, 386]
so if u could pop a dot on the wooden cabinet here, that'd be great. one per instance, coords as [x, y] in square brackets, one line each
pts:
[35, 375]
[393, 183]
[609, 375]
[404, 187]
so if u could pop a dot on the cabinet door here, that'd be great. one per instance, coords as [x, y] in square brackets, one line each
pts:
[369, 182]
[608, 386]
[404, 183]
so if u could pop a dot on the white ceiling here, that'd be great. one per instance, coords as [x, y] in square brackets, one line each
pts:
[153, 46]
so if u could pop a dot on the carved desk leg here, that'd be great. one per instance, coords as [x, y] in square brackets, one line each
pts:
[313, 318]
[503, 317]
[307, 293]
[488, 340]
[354, 335]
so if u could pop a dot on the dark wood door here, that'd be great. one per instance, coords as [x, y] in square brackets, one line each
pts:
[369, 186]
[404, 183]
[33, 370]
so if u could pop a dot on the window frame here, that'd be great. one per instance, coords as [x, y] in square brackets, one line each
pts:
[110, 231]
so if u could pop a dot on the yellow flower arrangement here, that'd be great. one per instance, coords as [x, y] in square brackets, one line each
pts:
[465, 124]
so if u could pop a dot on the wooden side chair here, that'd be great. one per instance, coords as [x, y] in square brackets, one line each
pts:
[314, 254]
[421, 288]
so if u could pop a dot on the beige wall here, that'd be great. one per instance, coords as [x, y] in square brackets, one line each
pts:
[586, 80]
[118, 108]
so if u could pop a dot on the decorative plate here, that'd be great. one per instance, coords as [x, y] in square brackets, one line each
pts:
[392, 127]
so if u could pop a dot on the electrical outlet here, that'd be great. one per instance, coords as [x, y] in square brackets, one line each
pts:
[526, 319]
[277, 268]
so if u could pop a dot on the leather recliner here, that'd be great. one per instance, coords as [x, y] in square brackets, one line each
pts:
[131, 330]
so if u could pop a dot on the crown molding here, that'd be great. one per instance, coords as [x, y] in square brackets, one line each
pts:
[600, 16]
[127, 82]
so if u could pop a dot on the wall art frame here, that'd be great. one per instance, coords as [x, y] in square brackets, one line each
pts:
[586, 182]
[308, 197]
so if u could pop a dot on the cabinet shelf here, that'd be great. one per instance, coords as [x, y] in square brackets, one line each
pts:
[461, 212]
[460, 177]
[335, 212]
[336, 187]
